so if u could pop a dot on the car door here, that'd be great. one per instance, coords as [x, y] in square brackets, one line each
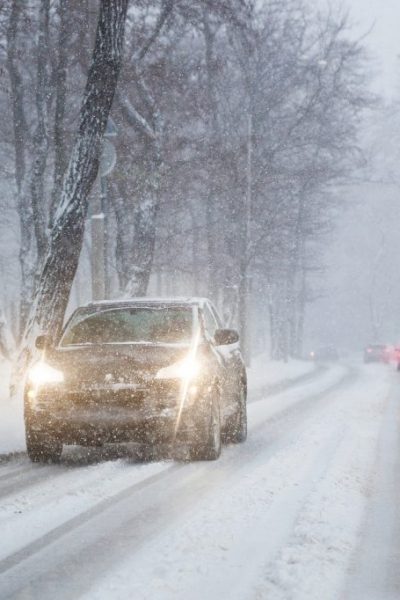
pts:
[230, 359]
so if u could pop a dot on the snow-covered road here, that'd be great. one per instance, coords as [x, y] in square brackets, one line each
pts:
[292, 514]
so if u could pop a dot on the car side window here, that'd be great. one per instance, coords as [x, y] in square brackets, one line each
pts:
[216, 316]
[210, 323]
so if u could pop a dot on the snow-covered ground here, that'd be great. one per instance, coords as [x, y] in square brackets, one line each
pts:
[12, 435]
[291, 514]
[265, 374]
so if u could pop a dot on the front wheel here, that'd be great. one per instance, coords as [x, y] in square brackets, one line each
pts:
[207, 442]
[42, 447]
[236, 432]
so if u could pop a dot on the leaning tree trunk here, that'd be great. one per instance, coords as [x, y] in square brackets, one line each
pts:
[66, 237]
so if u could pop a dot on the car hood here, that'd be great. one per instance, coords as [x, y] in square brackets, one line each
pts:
[114, 363]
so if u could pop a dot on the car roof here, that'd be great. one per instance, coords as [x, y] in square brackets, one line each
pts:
[154, 301]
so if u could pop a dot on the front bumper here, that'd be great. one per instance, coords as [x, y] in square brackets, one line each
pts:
[123, 413]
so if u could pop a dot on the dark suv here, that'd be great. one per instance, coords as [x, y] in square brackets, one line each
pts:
[151, 371]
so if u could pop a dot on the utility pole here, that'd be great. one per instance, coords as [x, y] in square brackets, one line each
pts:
[244, 296]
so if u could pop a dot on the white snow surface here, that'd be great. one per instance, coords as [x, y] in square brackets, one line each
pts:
[268, 373]
[280, 517]
[12, 433]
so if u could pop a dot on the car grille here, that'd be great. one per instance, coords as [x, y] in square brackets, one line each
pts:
[162, 396]
[106, 397]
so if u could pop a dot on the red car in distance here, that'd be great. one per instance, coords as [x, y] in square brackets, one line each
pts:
[396, 356]
[378, 353]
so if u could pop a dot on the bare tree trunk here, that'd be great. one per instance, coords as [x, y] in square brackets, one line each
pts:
[20, 132]
[374, 312]
[7, 345]
[66, 237]
[122, 211]
[136, 231]
[212, 193]
[243, 292]
[302, 297]
[60, 160]
[195, 251]
[139, 255]
[41, 137]
[144, 229]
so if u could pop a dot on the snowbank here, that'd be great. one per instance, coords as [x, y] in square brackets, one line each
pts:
[12, 435]
[264, 373]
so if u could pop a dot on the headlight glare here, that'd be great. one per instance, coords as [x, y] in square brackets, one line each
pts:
[42, 373]
[188, 368]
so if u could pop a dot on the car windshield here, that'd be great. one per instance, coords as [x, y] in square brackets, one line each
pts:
[130, 325]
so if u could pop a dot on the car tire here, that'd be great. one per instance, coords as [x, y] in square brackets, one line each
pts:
[148, 453]
[41, 447]
[236, 431]
[207, 442]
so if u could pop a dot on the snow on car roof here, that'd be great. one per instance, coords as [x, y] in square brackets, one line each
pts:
[193, 300]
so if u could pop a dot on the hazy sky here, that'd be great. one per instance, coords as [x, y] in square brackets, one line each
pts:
[384, 39]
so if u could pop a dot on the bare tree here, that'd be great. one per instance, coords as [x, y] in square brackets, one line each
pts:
[136, 250]
[66, 237]
[20, 135]
[60, 77]
[41, 135]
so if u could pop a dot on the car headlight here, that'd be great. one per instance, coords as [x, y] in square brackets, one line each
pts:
[187, 369]
[42, 373]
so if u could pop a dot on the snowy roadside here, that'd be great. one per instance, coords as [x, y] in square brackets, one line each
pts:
[286, 528]
[268, 373]
[95, 499]
[261, 374]
[12, 434]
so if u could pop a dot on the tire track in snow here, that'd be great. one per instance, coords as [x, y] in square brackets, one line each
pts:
[313, 561]
[217, 570]
[15, 472]
[35, 474]
[201, 485]
[287, 384]
[303, 478]
[66, 527]
[297, 407]
[374, 569]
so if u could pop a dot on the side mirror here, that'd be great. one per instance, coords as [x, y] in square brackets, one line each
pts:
[224, 337]
[43, 342]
